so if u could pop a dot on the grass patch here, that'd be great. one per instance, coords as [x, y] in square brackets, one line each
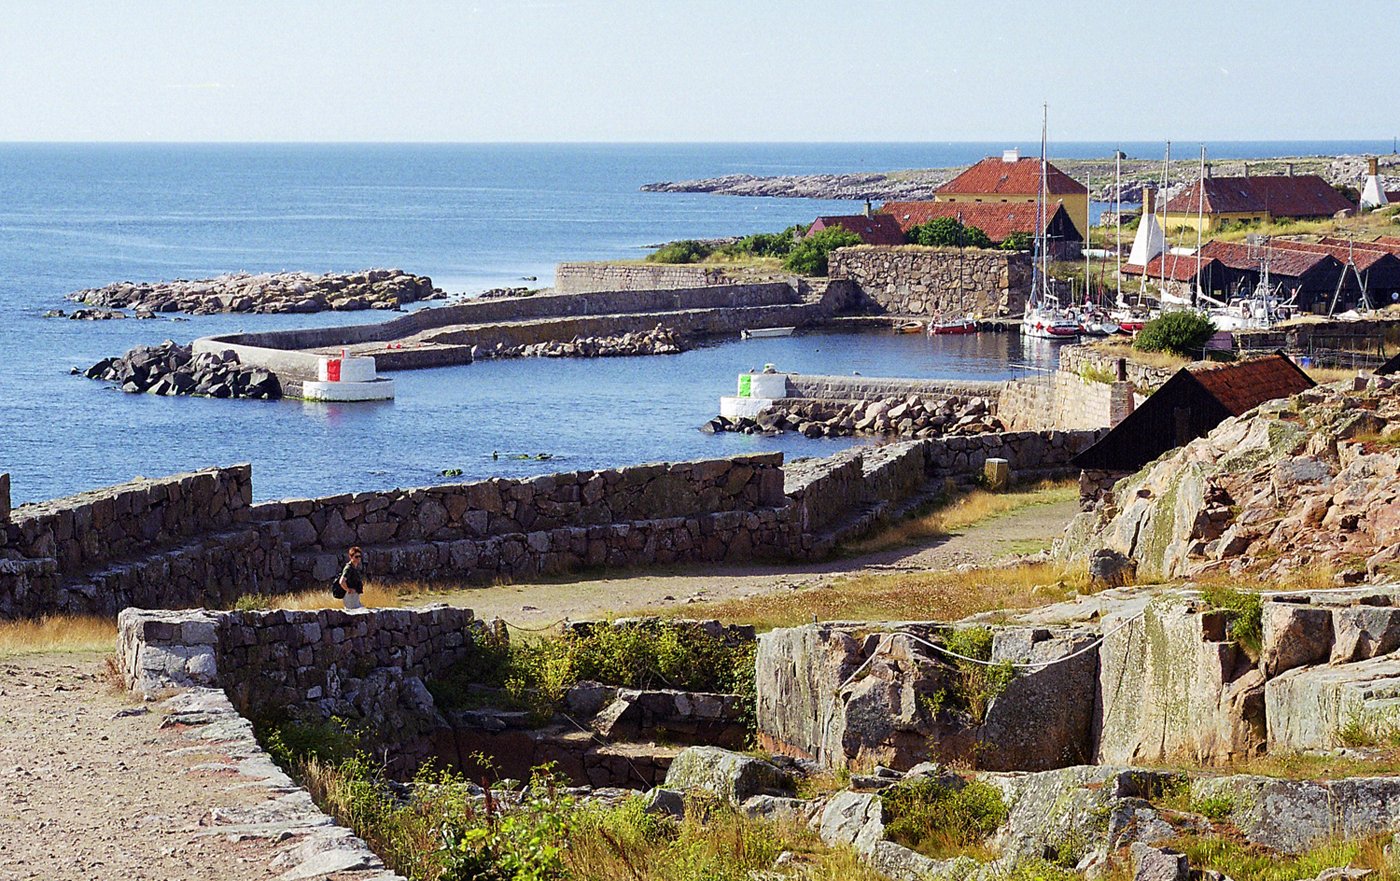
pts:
[945, 595]
[377, 595]
[943, 821]
[1245, 862]
[1324, 375]
[977, 684]
[963, 512]
[446, 829]
[57, 633]
[1244, 612]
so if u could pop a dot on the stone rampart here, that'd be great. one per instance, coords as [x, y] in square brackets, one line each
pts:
[919, 281]
[270, 348]
[1088, 360]
[577, 278]
[1064, 401]
[128, 519]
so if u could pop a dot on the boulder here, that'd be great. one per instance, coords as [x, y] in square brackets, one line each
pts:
[1158, 864]
[1294, 635]
[1309, 707]
[732, 776]
[1110, 568]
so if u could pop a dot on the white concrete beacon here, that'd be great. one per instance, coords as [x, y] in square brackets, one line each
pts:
[347, 377]
[756, 393]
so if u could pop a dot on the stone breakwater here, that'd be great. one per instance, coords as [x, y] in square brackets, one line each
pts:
[173, 369]
[660, 340]
[910, 417]
[922, 282]
[298, 292]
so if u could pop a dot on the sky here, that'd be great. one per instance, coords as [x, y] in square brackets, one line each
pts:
[677, 70]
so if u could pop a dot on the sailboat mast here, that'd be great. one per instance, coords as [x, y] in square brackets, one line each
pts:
[1088, 235]
[1166, 167]
[1200, 222]
[1118, 243]
[1041, 199]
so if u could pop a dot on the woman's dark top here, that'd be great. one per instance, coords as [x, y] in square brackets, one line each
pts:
[353, 580]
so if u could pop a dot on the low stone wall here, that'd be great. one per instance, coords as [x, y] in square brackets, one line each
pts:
[577, 278]
[1064, 401]
[871, 388]
[95, 527]
[1079, 360]
[869, 482]
[195, 540]
[919, 281]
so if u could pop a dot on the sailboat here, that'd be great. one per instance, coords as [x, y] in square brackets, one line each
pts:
[964, 323]
[1044, 319]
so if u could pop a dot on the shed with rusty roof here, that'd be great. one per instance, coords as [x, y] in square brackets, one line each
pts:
[1195, 400]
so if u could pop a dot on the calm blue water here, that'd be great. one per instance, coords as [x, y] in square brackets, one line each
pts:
[471, 216]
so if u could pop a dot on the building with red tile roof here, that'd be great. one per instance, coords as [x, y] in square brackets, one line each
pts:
[873, 229]
[1011, 179]
[1252, 200]
[998, 221]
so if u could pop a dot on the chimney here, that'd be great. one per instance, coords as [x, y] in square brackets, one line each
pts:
[1373, 165]
[867, 208]
[1149, 201]
[1288, 169]
[1207, 169]
[1246, 169]
[1013, 155]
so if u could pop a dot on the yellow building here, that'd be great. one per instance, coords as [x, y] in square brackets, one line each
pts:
[1012, 179]
[1245, 200]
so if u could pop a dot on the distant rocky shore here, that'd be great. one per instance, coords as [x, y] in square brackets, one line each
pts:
[296, 292]
[920, 184]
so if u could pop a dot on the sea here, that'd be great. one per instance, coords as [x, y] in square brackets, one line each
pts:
[471, 216]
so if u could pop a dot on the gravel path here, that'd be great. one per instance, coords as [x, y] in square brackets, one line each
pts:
[91, 788]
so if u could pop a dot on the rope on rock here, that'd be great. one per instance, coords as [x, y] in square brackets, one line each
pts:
[1040, 665]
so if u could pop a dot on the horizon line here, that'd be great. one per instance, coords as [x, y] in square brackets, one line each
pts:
[659, 143]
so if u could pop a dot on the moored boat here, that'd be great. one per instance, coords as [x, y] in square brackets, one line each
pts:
[757, 332]
[909, 327]
[959, 325]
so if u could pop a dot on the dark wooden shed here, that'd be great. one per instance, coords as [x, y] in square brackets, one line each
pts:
[1195, 400]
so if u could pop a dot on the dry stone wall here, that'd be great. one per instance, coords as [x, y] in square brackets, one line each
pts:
[1079, 360]
[576, 278]
[1065, 401]
[920, 281]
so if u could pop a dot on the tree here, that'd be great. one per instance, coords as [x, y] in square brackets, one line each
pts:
[941, 231]
[973, 237]
[1182, 333]
[809, 256]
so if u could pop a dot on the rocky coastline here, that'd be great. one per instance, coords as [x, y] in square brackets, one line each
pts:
[921, 184]
[173, 369]
[282, 292]
[910, 417]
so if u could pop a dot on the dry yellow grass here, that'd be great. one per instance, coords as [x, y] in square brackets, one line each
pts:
[1123, 348]
[57, 633]
[962, 512]
[923, 596]
[376, 596]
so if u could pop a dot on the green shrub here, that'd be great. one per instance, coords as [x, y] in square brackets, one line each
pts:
[1018, 241]
[291, 742]
[1182, 333]
[252, 602]
[536, 674]
[1214, 807]
[766, 244]
[948, 232]
[809, 256]
[526, 842]
[1244, 862]
[939, 820]
[978, 684]
[1244, 616]
[684, 251]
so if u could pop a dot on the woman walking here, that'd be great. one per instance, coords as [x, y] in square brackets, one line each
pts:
[352, 581]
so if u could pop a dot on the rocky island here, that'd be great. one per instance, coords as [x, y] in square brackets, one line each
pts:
[921, 184]
[295, 292]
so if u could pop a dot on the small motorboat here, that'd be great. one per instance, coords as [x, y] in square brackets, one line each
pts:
[757, 332]
[959, 325]
[909, 327]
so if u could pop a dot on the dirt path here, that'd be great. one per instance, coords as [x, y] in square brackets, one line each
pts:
[540, 604]
[92, 788]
